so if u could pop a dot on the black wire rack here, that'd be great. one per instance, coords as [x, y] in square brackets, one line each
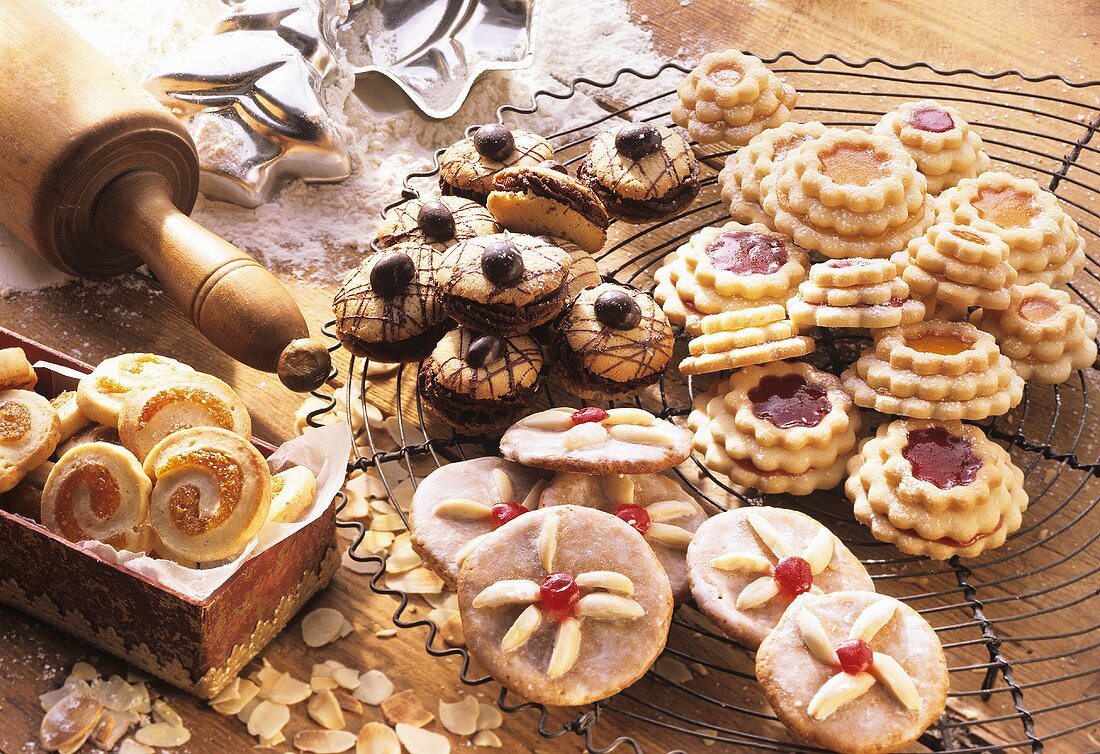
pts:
[1020, 624]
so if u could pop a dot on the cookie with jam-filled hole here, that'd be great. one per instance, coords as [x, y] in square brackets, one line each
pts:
[468, 167]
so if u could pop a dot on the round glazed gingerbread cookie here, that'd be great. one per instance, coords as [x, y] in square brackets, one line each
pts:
[557, 620]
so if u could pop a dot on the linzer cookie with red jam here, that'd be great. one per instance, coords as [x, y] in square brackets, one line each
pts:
[779, 428]
[557, 620]
[740, 179]
[848, 194]
[591, 440]
[1044, 243]
[936, 488]
[29, 432]
[959, 266]
[479, 382]
[612, 340]
[1046, 335]
[735, 339]
[506, 283]
[546, 200]
[660, 509]
[641, 172]
[747, 565]
[468, 167]
[934, 370]
[864, 293]
[457, 505]
[388, 308]
[939, 140]
[856, 672]
[442, 222]
[730, 97]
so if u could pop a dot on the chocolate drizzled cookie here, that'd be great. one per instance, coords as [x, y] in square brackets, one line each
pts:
[442, 222]
[468, 167]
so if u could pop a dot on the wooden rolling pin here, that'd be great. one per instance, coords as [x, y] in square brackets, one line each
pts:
[98, 177]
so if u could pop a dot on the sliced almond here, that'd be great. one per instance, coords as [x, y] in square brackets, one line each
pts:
[869, 622]
[376, 738]
[112, 726]
[347, 678]
[769, 536]
[355, 507]
[416, 581]
[446, 599]
[163, 736]
[567, 646]
[489, 717]
[466, 549]
[346, 628]
[246, 712]
[487, 738]
[405, 708]
[896, 680]
[322, 626]
[838, 691]
[653, 435]
[462, 509]
[84, 672]
[669, 510]
[548, 542]
[816, 640]
[115, 694]
[819, 552]
[532, 500]
[601, 605]
[628, 415]
[757, 593]
[668, 535]
[391, 522]
[553, 420]
[50, 698]
[130, 746]
[231, 692]
[268, 719]
[459, 717]
[452, 631]
[270, 743]
[402, 557]
[69, 722]
[347, 702]
[324, 741]
[163, 712]
[247, 691]
[417, 741]
[612, 581]
[584, 436]
[742, 561]
[326, 711]
[502, 483]
[287, 690]
[374, 688]
[507, 592]
[522, 629]
[619, 488]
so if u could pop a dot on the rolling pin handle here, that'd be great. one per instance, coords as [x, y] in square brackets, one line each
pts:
[304, 365]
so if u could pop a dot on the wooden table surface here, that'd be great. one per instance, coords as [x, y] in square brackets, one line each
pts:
[1035, 36]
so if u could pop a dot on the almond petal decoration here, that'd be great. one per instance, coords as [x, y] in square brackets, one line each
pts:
[838, 691]
[816, 640]
[507, 592]
[769, 536]
[466, 549]
[619, 489]
[548, 542]
[566, 648]
[643, 435]
[669, 535]
[741, 561]
[532, 500]
[669, 510]
[815, 589]
[554, 420]
[872, 619]
[608, 606]
[819, 552]
[757, 593]
[585, 436]
[628, 415]
[463, 510]
[506, 492]
[612, 581]
[896, 680]
[526, 625]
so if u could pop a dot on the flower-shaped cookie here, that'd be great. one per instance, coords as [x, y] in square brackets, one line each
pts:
[731, 97]
[746, 261]
[958, 265]
[1044, 243]
[781, 427]
[854, 672]
[936, 488]
[854, 293]
[934, 370]
[1044, 334]
[685, 302]
[738, 338]
[848, 194]
[749, 564]
[747, 167]
[558, 620]
[942, 144]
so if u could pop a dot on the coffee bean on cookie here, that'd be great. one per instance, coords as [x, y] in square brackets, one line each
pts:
[392, 273]
[502, 263]
[494, 141]
[436, 221]
[484, 351]
[637, 140]
[617, 310]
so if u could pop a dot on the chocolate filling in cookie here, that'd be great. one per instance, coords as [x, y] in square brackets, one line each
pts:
[642, 209]
[507, 319]
[471, 414]
[568, 365]
[415, 348]
[555, 190]
[448, 189]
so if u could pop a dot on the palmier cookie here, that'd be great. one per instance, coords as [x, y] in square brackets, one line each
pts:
[388, 308]
[99, 491]
[936, 488]
[1043, 332]
[211, 494]
[854, 293]
[293, 491]
[16, 372]
[612, 340]
[856, 672]
[958, 265]
[747, 565]
[758, 335]
[477, 383]
[441, 222]
[158, 408]
[942, 144]
[660, 509]
[934, 370]
[641, 172]
[468, 167]
[544, 200]
[29, 432]
[591, 440]
[100, 394]
[505, 284]
[557, 620]
[71, 418]
[458, 505]
[730, 97]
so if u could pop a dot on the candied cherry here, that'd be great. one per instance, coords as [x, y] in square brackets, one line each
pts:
[589, 414]
[559, 593]
[855, 656]
[793, 575]
[502, 513]
[635, 515]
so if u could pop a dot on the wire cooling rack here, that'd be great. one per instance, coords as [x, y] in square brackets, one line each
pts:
[1020, 625]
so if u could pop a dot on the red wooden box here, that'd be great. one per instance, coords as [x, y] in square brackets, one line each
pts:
[196, 645]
